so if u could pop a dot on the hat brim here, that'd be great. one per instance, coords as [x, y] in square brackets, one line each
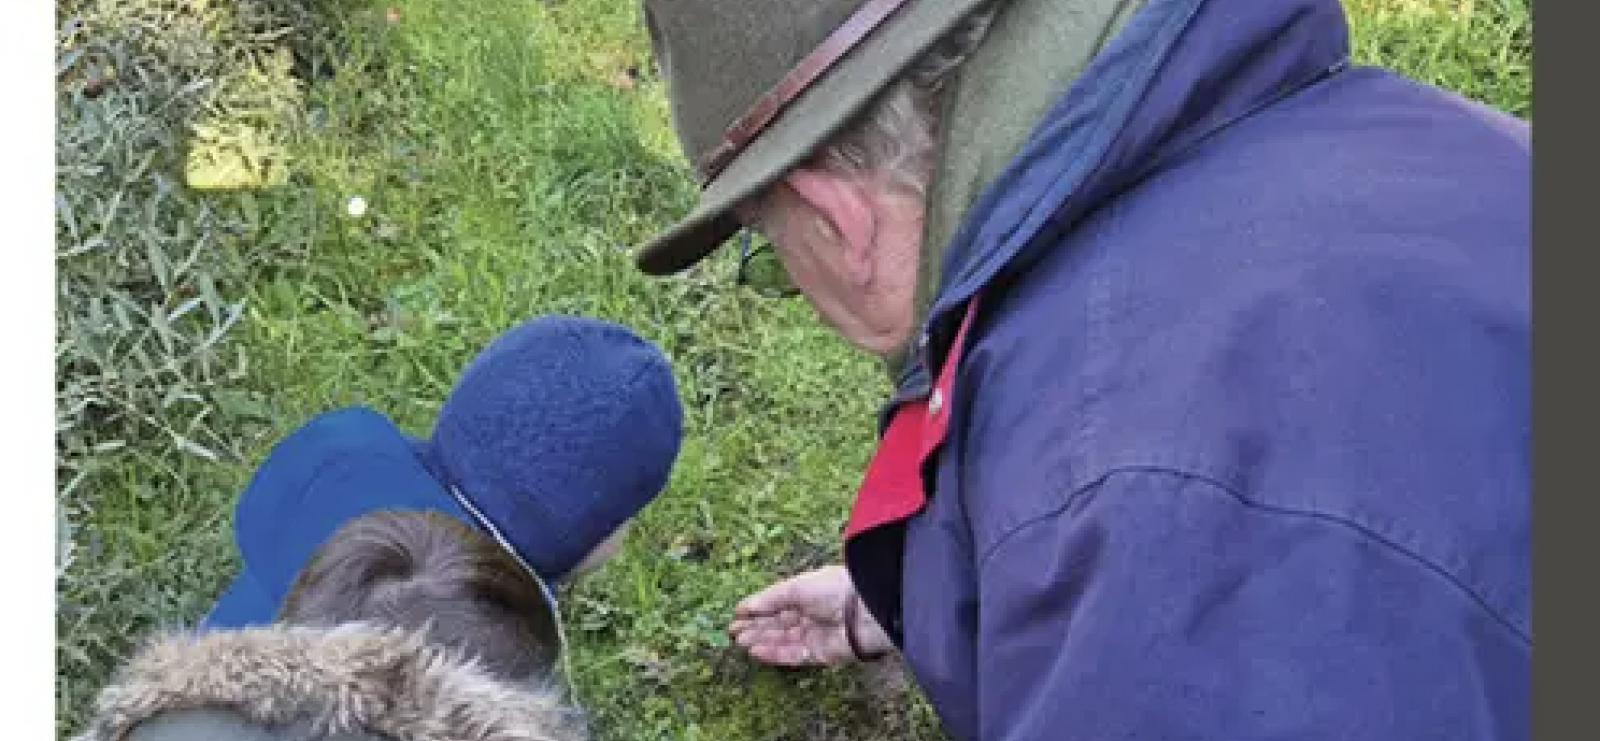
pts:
[810, 119]
[338, 466]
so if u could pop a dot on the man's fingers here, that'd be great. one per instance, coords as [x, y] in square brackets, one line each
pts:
[780, 596]
[779, 622]
[773, 641]
[801, 592]
[773, 651]
[787, 623]
[780, 655]
[752, 635]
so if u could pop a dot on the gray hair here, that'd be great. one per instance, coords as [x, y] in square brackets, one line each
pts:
[895, 137]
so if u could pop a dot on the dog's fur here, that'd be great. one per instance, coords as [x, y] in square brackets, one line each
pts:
[353, 678]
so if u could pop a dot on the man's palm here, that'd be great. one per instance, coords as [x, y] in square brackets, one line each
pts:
[799, 621]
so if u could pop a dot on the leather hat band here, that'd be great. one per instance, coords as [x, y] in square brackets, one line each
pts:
[744, 129]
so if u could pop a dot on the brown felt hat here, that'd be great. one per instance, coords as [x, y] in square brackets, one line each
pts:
[755, 86]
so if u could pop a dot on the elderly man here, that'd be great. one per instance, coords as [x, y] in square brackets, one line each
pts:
[1211, 357]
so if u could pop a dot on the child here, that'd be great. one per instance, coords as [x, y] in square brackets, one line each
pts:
[554, 437]
[397, 588]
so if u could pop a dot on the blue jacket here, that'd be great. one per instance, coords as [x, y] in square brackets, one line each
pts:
[1236, 443]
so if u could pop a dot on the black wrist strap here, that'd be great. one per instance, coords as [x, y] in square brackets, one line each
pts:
[851, 609]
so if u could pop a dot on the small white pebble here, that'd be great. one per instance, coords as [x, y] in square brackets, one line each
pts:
[356, 206]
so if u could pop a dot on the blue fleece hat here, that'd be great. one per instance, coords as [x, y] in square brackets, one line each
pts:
[558, 432]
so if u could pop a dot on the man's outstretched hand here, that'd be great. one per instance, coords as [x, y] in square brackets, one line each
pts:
[800, 621]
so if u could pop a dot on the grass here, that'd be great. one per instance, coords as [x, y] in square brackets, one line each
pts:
[511, 153]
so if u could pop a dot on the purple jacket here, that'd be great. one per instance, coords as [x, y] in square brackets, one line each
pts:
[1236, 445]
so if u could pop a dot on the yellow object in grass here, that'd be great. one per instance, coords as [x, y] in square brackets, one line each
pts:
[234, 156]
[242, 140]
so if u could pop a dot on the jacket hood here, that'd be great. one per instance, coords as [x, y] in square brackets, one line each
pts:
[1177, 72]
[350, 679]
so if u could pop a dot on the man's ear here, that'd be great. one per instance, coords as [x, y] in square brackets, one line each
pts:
[846, 212]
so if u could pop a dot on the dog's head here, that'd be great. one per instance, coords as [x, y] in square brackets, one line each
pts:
[427, 571]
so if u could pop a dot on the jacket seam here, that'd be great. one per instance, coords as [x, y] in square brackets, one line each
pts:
[1365, 532]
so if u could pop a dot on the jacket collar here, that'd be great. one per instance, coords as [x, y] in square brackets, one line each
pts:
[1178, 72]
[994, 99]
